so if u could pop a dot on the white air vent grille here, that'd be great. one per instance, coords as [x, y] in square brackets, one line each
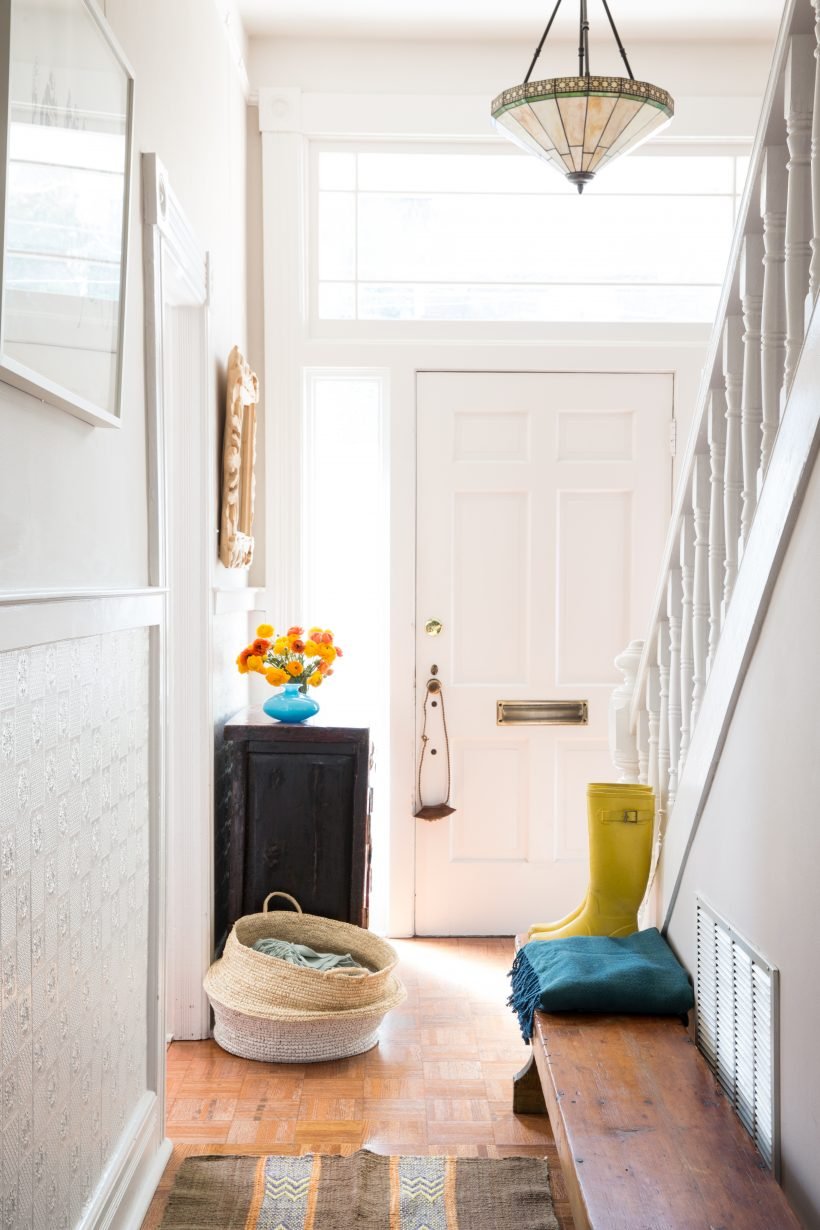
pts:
[736, 1000]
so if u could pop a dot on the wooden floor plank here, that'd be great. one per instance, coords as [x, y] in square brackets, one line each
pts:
[440, 1080]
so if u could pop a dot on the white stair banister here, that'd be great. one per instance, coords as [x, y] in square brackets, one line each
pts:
[673, 614]
[687, 661]
[663, 719]
[747, 460]
[716, 429]
[773, 180]
[814, 268]
[700, 583]
[751, 298]
[643, 747]
[623, 744]
[733, 469]
[653, 704]
[798, 110]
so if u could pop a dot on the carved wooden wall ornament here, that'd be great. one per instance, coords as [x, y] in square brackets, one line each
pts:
[238, 464]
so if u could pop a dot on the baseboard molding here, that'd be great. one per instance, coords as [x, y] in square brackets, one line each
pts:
[131, 1177]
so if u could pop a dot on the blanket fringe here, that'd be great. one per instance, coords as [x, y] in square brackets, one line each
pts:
[526, 992]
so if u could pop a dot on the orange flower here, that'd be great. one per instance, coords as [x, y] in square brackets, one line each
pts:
[254, 662]
[294, 631]
[294, 668]
[326, 638]
[261, 646]
[339, 652]
[314, 633]
[296, 645]
[276, 676]
[323, 668]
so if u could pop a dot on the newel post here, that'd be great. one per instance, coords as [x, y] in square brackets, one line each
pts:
[623, 744]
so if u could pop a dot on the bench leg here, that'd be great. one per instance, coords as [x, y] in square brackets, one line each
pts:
[528, 1096]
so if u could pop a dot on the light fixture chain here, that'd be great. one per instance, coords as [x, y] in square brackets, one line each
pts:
[540, 46]
[621, 47]
[583, 42]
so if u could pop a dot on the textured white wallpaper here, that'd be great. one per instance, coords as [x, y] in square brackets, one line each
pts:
[74, 827]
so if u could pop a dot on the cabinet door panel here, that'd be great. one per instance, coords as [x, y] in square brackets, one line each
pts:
[299, 835]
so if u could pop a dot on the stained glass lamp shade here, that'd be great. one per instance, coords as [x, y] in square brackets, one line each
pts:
[581, 124]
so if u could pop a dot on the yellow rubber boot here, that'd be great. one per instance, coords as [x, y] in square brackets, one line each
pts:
[620, 849]
[538, 930]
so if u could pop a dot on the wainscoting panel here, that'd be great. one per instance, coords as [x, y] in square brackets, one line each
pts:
[74, 916]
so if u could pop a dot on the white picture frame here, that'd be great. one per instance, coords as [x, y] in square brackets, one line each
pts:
[64, 348]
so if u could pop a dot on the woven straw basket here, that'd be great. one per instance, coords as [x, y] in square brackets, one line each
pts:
[271, 1010]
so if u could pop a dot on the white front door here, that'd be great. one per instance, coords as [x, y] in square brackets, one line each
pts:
[543, 504]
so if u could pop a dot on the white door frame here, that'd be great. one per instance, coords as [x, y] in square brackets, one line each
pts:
[288, 121]
[176, 276]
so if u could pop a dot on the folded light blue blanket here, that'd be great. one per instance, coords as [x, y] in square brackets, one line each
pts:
[300, 954]
[592, 973]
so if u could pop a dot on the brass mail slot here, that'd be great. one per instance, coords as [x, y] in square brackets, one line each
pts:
[541, 713]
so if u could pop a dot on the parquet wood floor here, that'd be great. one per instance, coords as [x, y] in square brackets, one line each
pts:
[439, 1082]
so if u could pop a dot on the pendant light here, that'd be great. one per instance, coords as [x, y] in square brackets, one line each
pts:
[581, 124]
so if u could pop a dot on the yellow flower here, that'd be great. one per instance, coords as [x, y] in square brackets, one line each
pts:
[315, 679]
[294, 668]
[276, 676]
[265, 630]
[254, 662]
[312, 649]
[281, 646]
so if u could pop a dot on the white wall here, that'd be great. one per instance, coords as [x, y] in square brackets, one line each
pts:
[692, 72]
[756, 853]
[74, 507]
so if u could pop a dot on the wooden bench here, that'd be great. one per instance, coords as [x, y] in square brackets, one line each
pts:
[646, 1137]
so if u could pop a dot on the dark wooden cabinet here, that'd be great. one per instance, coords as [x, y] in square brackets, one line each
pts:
[298, 813]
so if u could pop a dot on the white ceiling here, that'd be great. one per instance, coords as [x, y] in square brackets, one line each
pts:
[514, 19]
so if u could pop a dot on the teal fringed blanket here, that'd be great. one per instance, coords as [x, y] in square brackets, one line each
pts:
[300, 954]
[592, 973]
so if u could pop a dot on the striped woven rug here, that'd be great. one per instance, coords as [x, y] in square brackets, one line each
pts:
[365, 1190]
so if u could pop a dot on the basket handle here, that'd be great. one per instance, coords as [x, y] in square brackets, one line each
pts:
[287, 897]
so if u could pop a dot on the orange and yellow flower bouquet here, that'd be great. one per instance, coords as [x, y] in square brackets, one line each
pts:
[292, 657]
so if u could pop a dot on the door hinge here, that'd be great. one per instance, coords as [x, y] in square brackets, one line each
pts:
[673, 437]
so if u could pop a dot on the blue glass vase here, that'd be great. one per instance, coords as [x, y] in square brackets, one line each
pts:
[290, 705]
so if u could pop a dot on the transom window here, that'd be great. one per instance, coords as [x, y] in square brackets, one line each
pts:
[414, 235]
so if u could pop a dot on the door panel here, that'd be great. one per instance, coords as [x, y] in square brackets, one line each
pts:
[543, 503]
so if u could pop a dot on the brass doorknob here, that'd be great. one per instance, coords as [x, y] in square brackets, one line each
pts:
[433, 627]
